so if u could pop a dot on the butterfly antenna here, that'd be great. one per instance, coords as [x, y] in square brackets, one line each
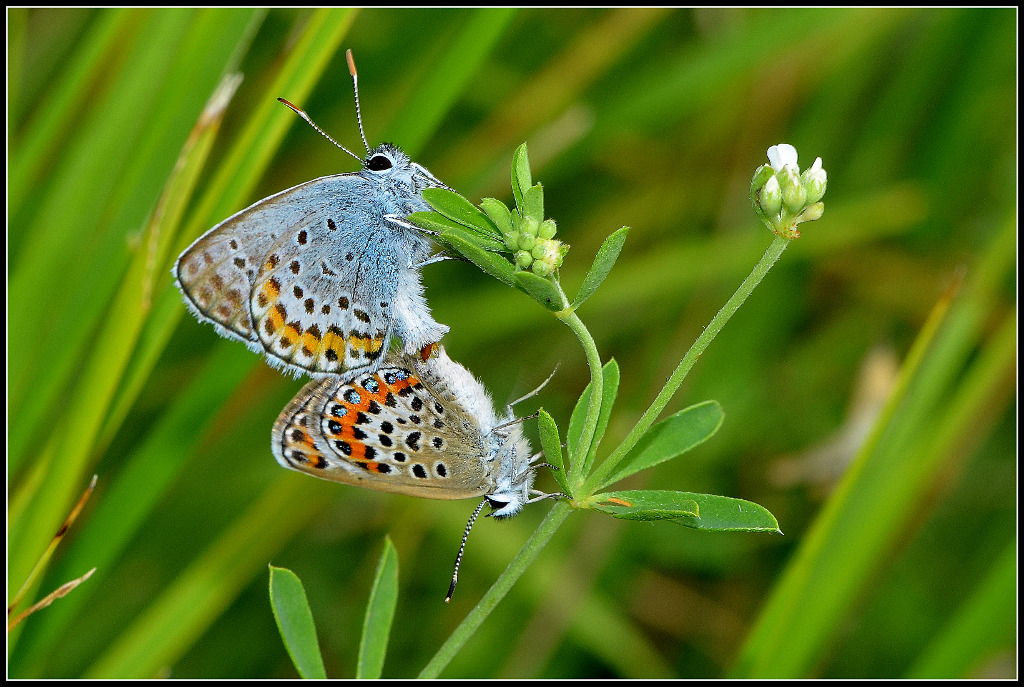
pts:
[515, 421]
[323, 133]
[537, 390]
[458, 559]
[355, 87]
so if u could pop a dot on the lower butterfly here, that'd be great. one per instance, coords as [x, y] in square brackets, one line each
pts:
[417, 426]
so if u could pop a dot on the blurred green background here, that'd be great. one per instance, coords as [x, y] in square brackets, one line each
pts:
[891, 321]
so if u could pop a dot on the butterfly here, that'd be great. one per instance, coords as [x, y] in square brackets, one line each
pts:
[420, 427]
[322, 276]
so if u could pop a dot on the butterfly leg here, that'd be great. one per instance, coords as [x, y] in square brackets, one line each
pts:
[540, 496]
[400, 221]
[438, 257]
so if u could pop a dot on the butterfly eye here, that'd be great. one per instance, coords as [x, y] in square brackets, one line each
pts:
[379, 163]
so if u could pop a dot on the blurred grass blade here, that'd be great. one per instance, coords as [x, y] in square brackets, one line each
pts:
[58, 593]
[295, 622]
[45, 558]
[46, 129]
[114, 344]
[380, 612]
[888, 484]
[238, 174]
[447, 78]
[135, 491]
[175, 620]
[979, 629]
[671, 437]
[100, 193]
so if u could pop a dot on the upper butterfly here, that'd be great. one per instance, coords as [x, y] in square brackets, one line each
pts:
[321, 276]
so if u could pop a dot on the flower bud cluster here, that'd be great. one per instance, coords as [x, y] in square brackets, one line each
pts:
[782, 196]
[527, 235]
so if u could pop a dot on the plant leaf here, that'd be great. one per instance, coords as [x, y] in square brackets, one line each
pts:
[552, 445]
[498, 214]
[541, 290]
[670, 438]
[610, 376]
[713, 513]
[380, 612]
[492, 264]
[533, 203]
[607, 254]
[647, 505]
[295, 622]
[521, 177]
[455, 207]
[435, 221]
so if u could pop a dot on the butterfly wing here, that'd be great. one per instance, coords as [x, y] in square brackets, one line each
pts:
[383, 430]
[310, 276]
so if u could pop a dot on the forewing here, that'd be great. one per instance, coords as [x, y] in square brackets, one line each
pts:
[307, 275]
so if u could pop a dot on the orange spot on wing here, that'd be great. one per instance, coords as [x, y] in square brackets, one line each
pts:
[427, 351]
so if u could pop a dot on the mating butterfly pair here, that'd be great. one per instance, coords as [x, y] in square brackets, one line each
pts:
[321, 278]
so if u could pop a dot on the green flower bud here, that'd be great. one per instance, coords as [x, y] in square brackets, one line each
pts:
[540, 251]
[523, 259]
[530, 226]
[527, 241]
[512, 241]
[813, 212]
[542, 268]
[794, 196]
[771, 197]
[547, 229]
[815, 180]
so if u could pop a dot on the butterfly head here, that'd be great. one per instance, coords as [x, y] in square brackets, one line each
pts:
[389, 163]
[513, 473]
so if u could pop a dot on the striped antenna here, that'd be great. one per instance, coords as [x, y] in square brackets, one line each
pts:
[355, 87]
[322, 132]
[458, 559]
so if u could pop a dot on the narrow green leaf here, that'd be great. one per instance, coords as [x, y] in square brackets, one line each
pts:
[165, 629]
[499, 214]
[610, 375]
[533, 203]
[521, 177]
[552, 445]
[647, 505]
[670, 438]
[607, 254]
[496, 266]
[713, 513]
[295, 622]
[435, 221]
[455, 207]
[380, 612]
[541, 290]
[981, 627]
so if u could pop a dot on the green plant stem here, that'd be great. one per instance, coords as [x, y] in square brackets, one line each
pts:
[773, 253]
[579, 464]
[547, 528]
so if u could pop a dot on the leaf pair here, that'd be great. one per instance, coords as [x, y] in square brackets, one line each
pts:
[478, 233]
[295, 619]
